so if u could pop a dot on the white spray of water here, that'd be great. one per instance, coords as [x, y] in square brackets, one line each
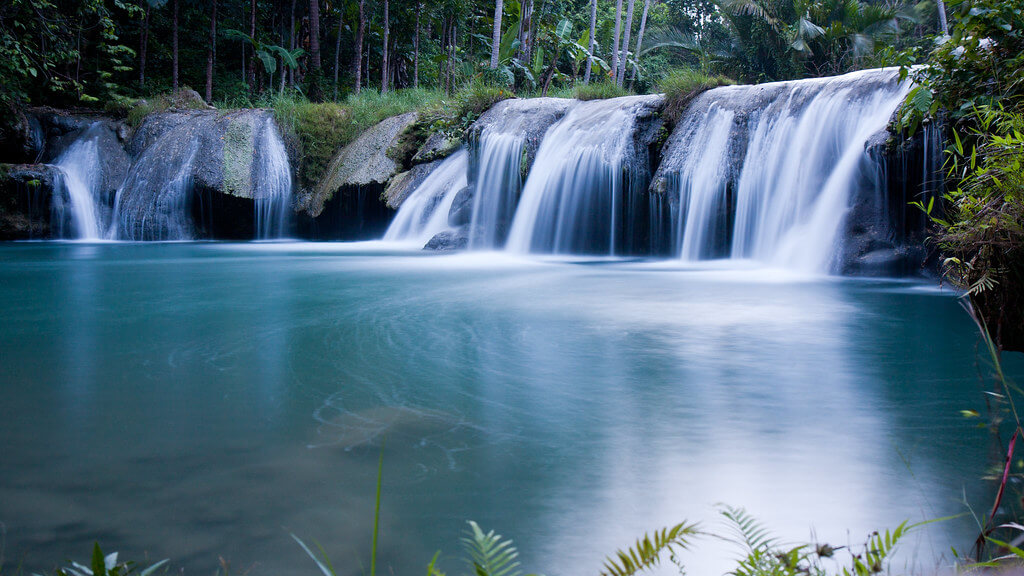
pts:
[498, 184]
[80, 166]
[424, 213]
[573, 198]
[272, 184]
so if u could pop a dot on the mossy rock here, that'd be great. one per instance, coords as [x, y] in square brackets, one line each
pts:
[363, 162]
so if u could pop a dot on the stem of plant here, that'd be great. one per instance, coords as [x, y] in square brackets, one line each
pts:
[376, 511]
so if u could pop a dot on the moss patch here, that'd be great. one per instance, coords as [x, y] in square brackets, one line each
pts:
[238, 157]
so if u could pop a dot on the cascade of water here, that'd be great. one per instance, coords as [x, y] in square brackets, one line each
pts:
[80, 166]
[154, 201]
[272, 184]
[579, 196]
[425, 212]
[703, 183]
[799, 151]
[497, 188]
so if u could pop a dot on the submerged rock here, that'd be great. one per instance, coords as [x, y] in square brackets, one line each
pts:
[449, 240]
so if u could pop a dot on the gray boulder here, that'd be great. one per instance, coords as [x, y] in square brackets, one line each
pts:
[363, 162]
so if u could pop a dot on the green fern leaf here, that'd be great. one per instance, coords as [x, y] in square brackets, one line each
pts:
[646, 552]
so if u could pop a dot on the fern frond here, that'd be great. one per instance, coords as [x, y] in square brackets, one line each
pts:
[751, 533]
[646, 553]
[488, 554]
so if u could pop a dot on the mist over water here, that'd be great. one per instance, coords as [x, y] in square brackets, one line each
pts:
[201, 400]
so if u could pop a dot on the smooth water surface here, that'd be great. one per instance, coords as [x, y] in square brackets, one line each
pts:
[193, 401]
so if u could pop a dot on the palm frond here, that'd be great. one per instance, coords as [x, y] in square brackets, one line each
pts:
[646, 552]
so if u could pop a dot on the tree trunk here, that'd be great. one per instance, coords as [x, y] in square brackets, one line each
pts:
[593, 41]
[252, 57]
[527, 39]
[496, 34]
[291, 42]
[357, 58]
[384, 58]
[615, 46]
[337, 53]
[314, 36]
[211, 52]
[625, 42]
[639, 42]
[174, 48]
[416, 49]
[943, 25]
[143, 45]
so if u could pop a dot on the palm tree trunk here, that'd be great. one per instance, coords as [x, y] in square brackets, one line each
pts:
[252, 57]
[211, 52]
[337, 54]
[384, 59]
[357, 58]
[615, 46]
[143, 45]
[496, 34]
[291, 42]
[314, 35]
[639, 43]
[416, 49]
[593, 41]
[174, 48]
[625, 43]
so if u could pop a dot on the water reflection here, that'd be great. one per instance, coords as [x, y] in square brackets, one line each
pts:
[197, 401]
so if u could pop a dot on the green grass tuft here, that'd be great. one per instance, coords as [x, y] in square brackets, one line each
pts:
[600, 91]
[682, 86]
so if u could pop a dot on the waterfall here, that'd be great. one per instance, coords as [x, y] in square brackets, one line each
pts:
[79, 165]
[702, 182]
[425, 212]
[497, 187]
[766, 172]
[272, 184]
[581, 193]
[154, 203]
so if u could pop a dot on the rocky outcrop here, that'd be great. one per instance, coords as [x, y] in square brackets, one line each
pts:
[196, 174]
[529, 118]
[362, 163]
[438, 146]
[26, 200]
[405, 183]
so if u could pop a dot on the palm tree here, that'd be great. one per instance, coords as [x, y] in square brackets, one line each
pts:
[625, 43]
[593, 41]
[496, 34]
[639, 42]
[615, 46]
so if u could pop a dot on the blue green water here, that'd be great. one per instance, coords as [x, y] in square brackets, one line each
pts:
[197, 401]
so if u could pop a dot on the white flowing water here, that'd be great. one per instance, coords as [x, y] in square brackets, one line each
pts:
[424, 213]
[80, 166]
[497, 188]
[704, 181]
[153, 203]
[573, 198]
[804, 156]
[272, 185]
